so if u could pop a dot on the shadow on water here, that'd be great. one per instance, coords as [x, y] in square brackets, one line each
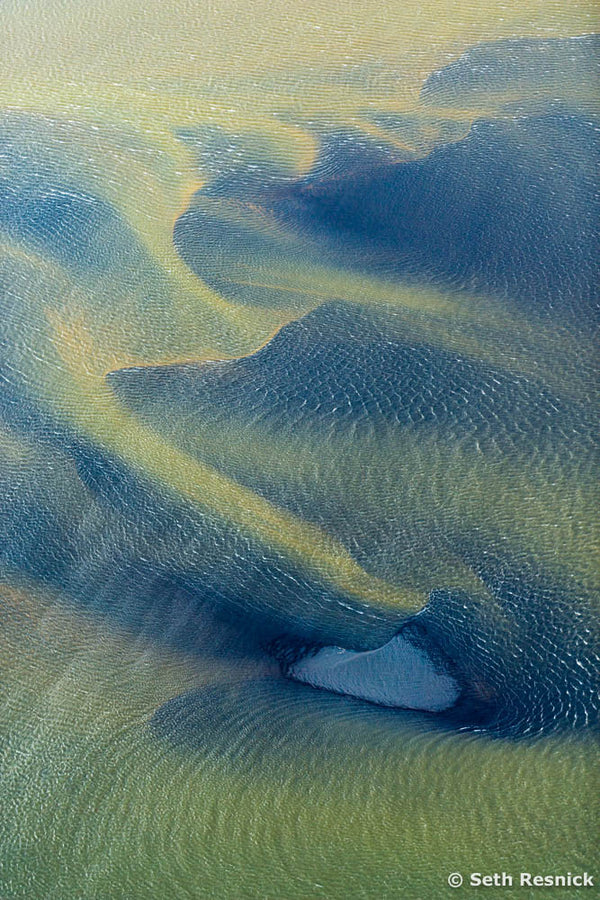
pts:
[508, 211]
[245, 721]
[107, 536]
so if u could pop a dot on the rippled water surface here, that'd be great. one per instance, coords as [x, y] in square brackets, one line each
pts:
[297, 323]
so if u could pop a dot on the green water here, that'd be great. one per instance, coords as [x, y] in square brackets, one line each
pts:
[93, 806]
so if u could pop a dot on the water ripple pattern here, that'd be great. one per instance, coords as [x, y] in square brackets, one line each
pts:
[298, 447]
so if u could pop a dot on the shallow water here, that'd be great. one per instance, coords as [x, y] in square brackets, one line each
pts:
[297, 323]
